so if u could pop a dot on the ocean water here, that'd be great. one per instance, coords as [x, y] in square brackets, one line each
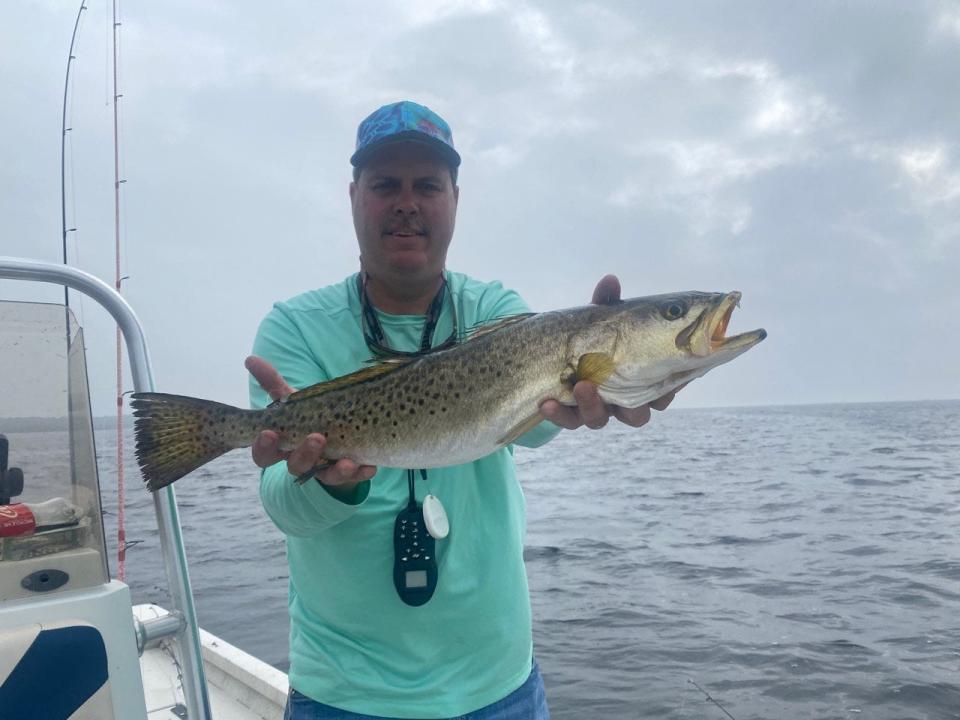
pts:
[793, 562]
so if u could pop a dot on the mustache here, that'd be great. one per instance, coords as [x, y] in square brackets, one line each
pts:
[405, 227]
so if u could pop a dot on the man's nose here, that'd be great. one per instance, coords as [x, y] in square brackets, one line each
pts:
[406, 202]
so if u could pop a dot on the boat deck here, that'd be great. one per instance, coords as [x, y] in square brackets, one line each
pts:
[240, 686]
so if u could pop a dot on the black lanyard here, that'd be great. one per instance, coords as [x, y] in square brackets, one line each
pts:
[415, 567]
[375, 338]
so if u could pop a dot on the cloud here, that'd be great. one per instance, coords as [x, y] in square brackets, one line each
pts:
[769, 147]
[547, 48]
[691, 179]
[935, 178]
[948, 21]
[430, 12]
[704, 176]
[777, 105]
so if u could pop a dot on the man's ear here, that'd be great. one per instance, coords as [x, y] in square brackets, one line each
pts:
[456, 194]
[353, 191]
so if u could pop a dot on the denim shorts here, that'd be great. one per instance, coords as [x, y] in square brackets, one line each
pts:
[528, 702]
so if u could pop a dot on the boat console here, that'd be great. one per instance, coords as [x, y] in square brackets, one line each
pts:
[72, 647]
[67, 643]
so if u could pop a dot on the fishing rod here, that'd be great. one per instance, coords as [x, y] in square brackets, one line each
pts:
[118, 280]
[63, 144]
[63, 220]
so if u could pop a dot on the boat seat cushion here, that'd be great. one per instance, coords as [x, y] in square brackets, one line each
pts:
[53, 672]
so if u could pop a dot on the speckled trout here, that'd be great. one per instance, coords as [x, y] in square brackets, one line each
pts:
[459, 404]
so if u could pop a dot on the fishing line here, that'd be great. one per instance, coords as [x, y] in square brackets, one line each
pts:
[106, 56]
[711, 699]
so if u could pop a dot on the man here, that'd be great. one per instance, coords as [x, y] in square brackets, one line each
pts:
[358, 646]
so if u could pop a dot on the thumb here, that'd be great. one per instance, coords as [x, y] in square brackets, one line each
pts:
[607, 291]
[268, 377]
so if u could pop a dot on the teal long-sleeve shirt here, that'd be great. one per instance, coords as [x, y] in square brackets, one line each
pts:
[353, 643]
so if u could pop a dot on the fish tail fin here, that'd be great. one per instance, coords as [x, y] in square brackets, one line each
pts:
[176, 434]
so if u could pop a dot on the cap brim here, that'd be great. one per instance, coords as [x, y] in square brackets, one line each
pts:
[449, 155]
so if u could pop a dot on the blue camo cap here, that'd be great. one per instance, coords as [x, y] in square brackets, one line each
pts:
[404, 121]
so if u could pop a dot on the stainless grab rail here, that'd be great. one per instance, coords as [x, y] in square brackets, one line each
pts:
[164, 501]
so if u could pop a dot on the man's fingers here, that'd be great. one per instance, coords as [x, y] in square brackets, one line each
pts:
[561, 415]
[607, 291]
[346, 472]
[268, 377]
[590, 410]
[593, 410]
[663, 403]
[634, 417]
[307, 454]
[266, 449]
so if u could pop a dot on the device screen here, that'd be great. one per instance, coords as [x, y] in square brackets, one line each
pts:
[416, 578]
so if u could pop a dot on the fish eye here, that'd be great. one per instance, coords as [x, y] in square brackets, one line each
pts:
[674, 309]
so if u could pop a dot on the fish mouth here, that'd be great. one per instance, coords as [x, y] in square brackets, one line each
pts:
[709, 336]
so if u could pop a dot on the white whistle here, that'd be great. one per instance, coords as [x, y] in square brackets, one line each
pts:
[435, 517]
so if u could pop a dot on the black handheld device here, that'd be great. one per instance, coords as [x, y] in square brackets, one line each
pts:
[414, 561]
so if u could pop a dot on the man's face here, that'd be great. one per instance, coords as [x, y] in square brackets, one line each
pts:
[404, 210]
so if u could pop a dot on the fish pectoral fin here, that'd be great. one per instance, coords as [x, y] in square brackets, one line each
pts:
[595, 367]
[524, 426]
[354, 378]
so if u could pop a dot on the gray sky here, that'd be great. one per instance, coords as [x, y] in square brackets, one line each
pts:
[804, 153]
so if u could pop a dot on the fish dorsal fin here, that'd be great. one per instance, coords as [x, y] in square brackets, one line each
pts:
[492, 326]
[355, 378]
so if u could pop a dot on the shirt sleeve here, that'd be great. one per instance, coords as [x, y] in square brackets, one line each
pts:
[501, 304]
[296, 509]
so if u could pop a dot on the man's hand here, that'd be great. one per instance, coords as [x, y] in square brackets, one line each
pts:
[341, 478]
[591, 410]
